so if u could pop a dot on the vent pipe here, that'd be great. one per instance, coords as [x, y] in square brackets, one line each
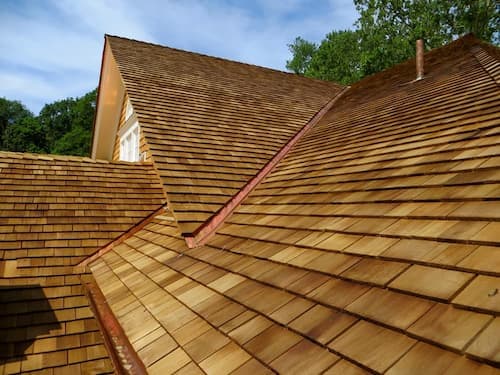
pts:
[420, 59]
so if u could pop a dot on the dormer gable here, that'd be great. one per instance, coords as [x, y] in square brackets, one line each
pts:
[117, 132]
[109, 107]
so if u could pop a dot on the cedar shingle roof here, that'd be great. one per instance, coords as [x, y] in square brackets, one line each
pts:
[54, 212]
[210, 123]
[373, 246]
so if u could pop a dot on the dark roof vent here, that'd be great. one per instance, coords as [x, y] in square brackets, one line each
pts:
[420, 59]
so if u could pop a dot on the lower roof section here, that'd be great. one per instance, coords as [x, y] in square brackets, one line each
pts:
[240, 305]
[54, 212]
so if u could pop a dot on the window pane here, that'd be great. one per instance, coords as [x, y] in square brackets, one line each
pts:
[122, 150]
[129, 144]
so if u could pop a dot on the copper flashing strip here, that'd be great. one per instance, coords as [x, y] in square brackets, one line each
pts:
[201, 235]
[80, 267]
[122, 354]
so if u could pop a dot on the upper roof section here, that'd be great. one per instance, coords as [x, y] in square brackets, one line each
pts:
[211, 124]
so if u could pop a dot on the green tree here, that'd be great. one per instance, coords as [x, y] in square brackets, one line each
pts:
[11, 112]
[337, 58]
[389, 28]
[302, 52]
[481, 17]
[62, 127]
[25, 135]
[386, 31]
[68, 124]
[75, 142]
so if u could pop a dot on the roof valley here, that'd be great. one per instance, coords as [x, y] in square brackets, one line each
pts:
[206, 231]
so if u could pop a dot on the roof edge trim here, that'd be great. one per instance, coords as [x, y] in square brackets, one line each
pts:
[93, 137]
[124, 357]
[204, 232]
[80, 267]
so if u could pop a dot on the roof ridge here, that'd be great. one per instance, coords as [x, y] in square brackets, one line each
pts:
[206, 230]
[273, 70]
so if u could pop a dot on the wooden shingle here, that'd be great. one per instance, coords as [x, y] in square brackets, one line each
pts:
[371, 247]
[57, 211]
[208, 127]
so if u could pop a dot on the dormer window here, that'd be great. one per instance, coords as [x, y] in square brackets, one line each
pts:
[129, 144]
[129, 136]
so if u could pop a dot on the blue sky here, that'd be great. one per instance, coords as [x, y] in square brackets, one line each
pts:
[51, 49]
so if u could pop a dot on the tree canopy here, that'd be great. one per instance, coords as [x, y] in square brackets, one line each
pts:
[385, 34]
[62, 127]
[302, 52]
[11, 112]
[337, 58]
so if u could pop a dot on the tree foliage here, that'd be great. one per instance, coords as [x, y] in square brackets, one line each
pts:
[302, 52]
[62, 127]
[389, 28]
[337, 58]
[67, 116]
[386, 31]
[11, 112]
[25, 135]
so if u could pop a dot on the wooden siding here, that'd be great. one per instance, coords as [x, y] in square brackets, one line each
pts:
[116, 150]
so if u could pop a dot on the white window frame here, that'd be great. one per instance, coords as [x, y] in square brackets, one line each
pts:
[130, 137]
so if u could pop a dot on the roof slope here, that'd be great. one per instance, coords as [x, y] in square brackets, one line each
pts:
[55, 211]
[373, 246]
[210, 123]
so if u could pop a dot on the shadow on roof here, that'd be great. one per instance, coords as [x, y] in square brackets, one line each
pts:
[25, 315]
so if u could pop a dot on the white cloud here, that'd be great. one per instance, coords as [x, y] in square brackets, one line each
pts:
[44, 47]
[105, 16]
[52, 49]
[35, 90]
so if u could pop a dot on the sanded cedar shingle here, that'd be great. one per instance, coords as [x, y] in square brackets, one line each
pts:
[365, 215]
